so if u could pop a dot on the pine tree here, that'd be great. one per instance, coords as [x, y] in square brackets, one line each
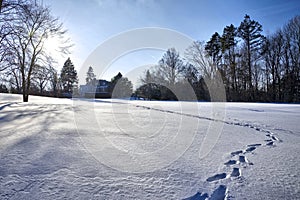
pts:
[68, 76]
[229, 52]
[115, 80]
[121, 87]
[90, 76]
[250, 31]
[213, 47]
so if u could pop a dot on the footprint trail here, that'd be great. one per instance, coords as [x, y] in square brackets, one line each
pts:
[238, 160]
[240, 155]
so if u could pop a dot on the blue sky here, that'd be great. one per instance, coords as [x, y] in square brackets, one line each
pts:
[91, 22]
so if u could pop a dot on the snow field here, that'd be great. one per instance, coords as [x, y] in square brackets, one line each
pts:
[55, 149]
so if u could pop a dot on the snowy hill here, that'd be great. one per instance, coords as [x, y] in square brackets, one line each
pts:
[117, 149]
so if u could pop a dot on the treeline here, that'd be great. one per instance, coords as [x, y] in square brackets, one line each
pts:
[45, 81]
[253, 67]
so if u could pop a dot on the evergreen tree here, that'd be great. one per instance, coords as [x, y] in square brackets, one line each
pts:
[250, 31]
[213, 47]
[229, 46]
[115, 80]
[121, 87]
[68, 76]
[90, 76]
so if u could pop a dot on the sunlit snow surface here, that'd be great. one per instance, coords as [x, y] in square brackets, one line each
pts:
[118, 149]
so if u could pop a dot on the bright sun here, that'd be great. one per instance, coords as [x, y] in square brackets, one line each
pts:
[52, 48]
[52, 45]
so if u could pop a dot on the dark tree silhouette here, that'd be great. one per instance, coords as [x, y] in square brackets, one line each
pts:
[214, 47]
[250, 31]
[68, 77]
[229, 46]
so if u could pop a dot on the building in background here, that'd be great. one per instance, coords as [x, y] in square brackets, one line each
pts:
[96, 89]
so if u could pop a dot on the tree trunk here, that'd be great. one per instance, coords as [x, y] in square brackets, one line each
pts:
[25, 97]
[0, 5]
[250, 72]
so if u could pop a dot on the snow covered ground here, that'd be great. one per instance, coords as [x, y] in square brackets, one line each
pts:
[116, 149]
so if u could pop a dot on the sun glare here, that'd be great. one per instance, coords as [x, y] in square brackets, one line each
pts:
[52, 45]
[53, 48]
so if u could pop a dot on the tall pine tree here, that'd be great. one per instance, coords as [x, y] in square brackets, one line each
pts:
[250, 31]
[229, 45]
[213, 47]
[68, 77]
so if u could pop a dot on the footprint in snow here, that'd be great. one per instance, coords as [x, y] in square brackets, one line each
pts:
[219, 193]
[242, 159]
[254, 145]
[198, 196]
[250, 149]
[270, 143]
[230, 162]
[275, 138]
[236, 152]
[257, 129]
[216, 177]
[236, 172]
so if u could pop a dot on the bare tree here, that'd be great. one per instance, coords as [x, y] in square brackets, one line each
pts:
[273, 51]
[14, 79]
[198, 57]
[208, 67]
[170, 67]
[33, 24]
[8, 16]
[41, 76]
[54, 81]
[291, 79]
